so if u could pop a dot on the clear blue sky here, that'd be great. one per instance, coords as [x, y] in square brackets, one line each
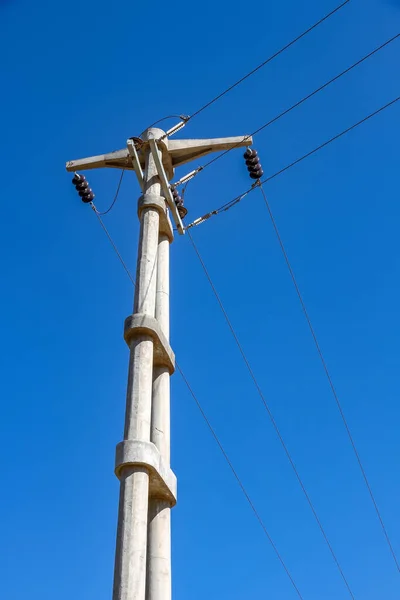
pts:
[78, 79]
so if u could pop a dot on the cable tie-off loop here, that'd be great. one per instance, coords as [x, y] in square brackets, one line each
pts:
[269, 59]
[308, 96]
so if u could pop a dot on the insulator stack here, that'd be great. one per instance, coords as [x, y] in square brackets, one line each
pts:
[253, 163]
[179, 203]
[82, 187]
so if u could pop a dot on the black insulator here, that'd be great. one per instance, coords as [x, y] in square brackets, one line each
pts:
[252, 162]
[258, 168]
[77, 178]
[87, 195]
[82, 186]
[88, 199]
[255, 169]
[250, 153]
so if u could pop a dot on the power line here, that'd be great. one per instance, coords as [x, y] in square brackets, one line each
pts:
[237, 199]
[268, 60]
[98, 215]
[214, 434]
[101, 214]
[253, 508]
[270, 415]
[304, 99]
[274, 120]
[333, 139]
[240, 197]
[327, 373]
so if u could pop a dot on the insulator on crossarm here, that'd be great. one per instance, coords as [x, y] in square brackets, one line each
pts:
[253, 163]
[82, 187]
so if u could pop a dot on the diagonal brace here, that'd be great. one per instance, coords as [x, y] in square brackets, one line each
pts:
[165, 186]
[135, 161]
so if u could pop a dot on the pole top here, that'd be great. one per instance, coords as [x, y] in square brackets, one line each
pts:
[154, 133]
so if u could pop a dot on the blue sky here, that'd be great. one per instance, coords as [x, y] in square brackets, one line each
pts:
[78, 79]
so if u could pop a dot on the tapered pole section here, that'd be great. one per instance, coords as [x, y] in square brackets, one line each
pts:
[159, 532]
[131, 550]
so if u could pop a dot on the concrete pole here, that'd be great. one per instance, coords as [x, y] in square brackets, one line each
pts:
[131, 550]
[142, 462]
[159, 532]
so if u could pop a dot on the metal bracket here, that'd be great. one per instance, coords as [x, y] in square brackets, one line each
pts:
[165, 186]
[135, 161]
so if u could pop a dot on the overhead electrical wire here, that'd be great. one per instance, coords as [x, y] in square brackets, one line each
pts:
[253, 508]
[101, 214]
[270, 415]
[126, 269]
[328, 375]
[265, 62]
[304, 99]
[239, 198]
[210, 427]
[271, 121]
[226, 207]
[114, 246]
[277, 117]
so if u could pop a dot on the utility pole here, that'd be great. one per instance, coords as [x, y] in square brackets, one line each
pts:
[148, 487]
